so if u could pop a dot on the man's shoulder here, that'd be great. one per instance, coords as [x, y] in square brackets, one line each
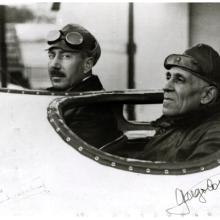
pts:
[211, 123]
[214, 118]
[92, 83]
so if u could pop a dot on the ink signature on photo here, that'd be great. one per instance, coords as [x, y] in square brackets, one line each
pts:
[182, 198]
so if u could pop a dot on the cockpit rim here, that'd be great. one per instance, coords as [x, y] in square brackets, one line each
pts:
[114, 161]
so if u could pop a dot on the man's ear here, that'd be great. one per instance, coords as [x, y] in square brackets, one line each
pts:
[209, 95]
[88, 64]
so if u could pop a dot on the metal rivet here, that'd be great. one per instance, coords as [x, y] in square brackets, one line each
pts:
[113, 164]
[58, 129]
[202, 168]
[68, 139]
[37, 93]
[148, 170]
[80, 148]
[166, 171]
[96, 158]
[130, 168]
[184, 170]
[22, 92]
[8, 90]
[66, 93]
[178, 59]
[51, 120]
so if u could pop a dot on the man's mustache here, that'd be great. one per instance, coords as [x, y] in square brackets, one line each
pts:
[56, 73]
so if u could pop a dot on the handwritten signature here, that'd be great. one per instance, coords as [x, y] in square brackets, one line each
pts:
[30, 191]
[183, 198]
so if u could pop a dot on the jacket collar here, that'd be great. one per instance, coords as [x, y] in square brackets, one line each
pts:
[195, 117]
[90, 83]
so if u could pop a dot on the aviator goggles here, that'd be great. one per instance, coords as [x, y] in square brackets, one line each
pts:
[188, 63]
[71, 38]
[184, 61]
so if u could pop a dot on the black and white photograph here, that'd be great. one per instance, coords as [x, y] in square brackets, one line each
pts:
[109, 110]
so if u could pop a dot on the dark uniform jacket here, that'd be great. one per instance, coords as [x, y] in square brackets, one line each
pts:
[188, 137]
[183, 138]
[96, 123]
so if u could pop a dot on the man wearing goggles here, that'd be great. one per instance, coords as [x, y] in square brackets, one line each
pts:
[72, 52]
[189, 128]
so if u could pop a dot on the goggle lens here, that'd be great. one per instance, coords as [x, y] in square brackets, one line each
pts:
[189, 63]
[183, 61]
[72, 38]
[53, 36]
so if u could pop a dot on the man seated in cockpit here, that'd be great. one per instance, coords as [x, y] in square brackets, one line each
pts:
[72, 52]
[189, 128]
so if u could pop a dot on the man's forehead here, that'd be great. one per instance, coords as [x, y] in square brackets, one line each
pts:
[190, 77]
[61, 50]
[180, 71]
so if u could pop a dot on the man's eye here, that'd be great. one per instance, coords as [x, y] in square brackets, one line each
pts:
[66, 56]
[180, 79]
[50, 55]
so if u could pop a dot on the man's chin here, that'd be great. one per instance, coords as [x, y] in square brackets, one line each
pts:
[169, 112]
[59, 86]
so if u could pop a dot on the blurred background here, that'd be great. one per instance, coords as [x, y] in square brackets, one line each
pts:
[135, 39]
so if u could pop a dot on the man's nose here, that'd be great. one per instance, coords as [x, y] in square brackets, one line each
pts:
[55, 63]
[168, 87]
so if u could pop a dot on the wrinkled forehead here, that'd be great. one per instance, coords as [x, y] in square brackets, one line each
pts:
[187, 75]
[180, 71]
